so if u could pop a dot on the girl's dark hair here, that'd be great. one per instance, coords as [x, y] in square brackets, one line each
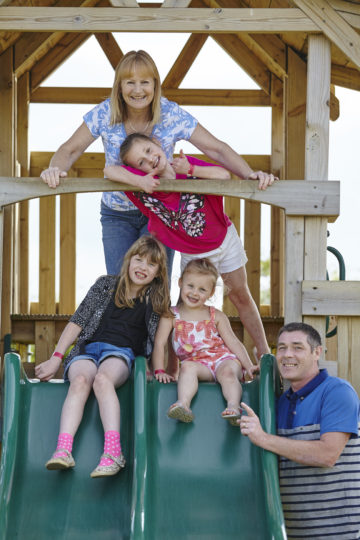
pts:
[146, 246]
[128, 144]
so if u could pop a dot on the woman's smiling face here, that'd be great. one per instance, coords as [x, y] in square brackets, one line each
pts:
[138, 88]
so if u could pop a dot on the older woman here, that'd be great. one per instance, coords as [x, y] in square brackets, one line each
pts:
[136, 105]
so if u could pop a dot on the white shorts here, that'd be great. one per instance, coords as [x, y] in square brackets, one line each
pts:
[228, 257]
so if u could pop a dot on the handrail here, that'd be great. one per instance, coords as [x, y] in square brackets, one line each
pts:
[140, 452]
[296, 197]
[268, 384]
[341, 262]
[10, 432]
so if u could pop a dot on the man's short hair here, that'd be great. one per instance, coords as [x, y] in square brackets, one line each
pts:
[312, 335]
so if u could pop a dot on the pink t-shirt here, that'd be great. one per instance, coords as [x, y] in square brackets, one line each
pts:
[186, 222]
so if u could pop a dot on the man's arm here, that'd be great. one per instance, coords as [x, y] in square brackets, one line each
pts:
[321, 453]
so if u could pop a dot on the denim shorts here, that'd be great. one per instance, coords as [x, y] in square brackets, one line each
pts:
[98, 351]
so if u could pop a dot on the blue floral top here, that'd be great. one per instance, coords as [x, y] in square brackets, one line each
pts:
[175, 125]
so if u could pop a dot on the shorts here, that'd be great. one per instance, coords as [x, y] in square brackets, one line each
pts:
[98, 352]
[226, 258]
[213, 365]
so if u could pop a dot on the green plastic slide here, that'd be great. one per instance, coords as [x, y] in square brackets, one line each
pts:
[199, 481]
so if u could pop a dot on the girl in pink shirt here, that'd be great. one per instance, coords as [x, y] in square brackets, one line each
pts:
[193, 224]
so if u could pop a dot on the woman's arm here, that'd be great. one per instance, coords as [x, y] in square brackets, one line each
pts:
[46, 370]
[158, 355]
[118, 173]
[181, 165]
[234, 344]
[222, 153]
[66, 155]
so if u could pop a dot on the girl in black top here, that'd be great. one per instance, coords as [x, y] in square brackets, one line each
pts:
[115, 322]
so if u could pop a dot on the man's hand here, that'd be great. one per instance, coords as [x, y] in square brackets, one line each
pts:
[250, 426]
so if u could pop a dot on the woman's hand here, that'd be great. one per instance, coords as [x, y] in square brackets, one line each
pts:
[46, 370]
[265, 179]
[51, 176]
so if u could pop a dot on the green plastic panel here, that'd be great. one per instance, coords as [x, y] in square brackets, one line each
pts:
[200, 481]
[37, 504]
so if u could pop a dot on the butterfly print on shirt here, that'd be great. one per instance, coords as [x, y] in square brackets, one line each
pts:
[187, 215]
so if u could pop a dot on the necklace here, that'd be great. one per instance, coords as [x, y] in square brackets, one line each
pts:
[138, 130]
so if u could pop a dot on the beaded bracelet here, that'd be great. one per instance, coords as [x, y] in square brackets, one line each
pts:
[58, 354]
[157, 371]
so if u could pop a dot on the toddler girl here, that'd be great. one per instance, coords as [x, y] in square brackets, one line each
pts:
[204, 342]
[115, 322]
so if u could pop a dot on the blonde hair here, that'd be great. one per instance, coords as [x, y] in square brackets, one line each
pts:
[125, 69]
[200, 266]
[146, 246]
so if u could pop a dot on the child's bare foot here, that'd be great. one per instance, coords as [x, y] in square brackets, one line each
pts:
[232, 414]
[180, 412]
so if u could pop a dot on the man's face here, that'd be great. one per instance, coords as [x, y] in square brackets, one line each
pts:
[297, 363]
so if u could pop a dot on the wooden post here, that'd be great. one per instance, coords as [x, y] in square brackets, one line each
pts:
[295, 153]
[277, 255]
[232, 209]
[47, 302]
[7, 142]
[316, 157]
[22, 267]
[67, 296]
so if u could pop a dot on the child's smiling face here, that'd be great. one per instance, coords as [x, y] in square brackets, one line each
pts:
[146, 156]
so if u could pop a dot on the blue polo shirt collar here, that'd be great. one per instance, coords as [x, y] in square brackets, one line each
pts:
[301, 394]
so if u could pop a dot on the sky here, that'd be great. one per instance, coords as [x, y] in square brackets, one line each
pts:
[247, 130]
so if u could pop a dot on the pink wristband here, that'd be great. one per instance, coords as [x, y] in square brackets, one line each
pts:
[58, 354]
[157, 371]
[191, 170]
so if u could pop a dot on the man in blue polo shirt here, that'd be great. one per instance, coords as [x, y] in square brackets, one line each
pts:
[317, 441]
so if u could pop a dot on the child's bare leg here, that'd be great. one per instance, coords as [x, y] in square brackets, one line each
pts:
[240, 295]
[190, 375]
[81, 377]
[112, 373]
[229, 374]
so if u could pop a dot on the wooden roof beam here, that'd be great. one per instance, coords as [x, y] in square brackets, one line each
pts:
[176, 3]
[245, 58]
[184, 61]
[55, 57]
[346, 77]
[32, 47]
[110, 47]
[228, 98]
[333, 26]
[108, 19]
[124, 3]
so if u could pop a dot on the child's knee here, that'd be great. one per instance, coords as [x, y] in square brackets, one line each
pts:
[227, 374]
[188, 368]
[80, 384]
[101, 382]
